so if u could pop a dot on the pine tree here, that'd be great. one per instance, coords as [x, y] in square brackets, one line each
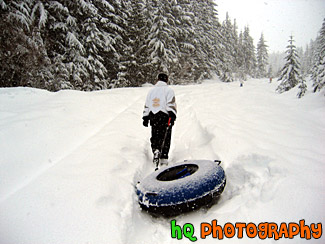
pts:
[290, 73]
[3, 5]
[318, 71]
[238, 53]
[228, 67]
[120, 55]
[65, 45]
[161, 43]
[248, 53]
[94, 41]
[85, 43]
[208, 39]
[23, 57]
[136, 51]
[183, 71]
[262, 58]
[214, 37]
[306, 60]
[302, 88]
[60, 23]
[240, 59]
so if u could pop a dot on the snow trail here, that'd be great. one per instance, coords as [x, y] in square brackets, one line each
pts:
[76, 157]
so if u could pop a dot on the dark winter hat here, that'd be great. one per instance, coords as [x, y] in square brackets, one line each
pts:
[163, 77]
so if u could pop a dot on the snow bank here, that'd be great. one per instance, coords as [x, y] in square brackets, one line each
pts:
[69, 161]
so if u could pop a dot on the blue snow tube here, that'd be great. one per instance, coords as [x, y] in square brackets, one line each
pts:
[181, 187]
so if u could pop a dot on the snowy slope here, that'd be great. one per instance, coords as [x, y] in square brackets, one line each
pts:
[68, 161]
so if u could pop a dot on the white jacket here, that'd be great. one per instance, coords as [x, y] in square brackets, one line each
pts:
[160, 98]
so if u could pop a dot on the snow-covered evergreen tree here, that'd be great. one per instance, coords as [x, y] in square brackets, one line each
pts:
[228, 67]
[249, 53]
[59, 24]
[290, 73]
[84, 40]
[161, 43]
[136, 51]
[307, 58]
[87, 42]
[23, 58]
[208, 39]
[3, 5]
[262, 58]
[214, 37]
[302, 88]
[238, 53]
[184, 70]
[94, 40]
[64, 44]
[318, 70]
[240, 59]
[120, 55]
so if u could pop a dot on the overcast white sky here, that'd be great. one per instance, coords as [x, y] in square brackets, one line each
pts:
[277, 19]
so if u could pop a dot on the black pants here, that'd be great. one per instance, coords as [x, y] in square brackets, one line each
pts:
[159, 123]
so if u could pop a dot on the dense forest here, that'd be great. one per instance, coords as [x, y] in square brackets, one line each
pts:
[100, 44]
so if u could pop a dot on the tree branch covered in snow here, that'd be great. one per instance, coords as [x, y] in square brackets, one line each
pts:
[291, 73]
[100, 44]
[318, 70]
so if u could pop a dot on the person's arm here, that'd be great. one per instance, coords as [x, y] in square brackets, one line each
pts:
[171, 106]
[146, 112]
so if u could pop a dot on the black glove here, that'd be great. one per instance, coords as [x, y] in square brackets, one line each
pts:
[145, 121]
[172, 118]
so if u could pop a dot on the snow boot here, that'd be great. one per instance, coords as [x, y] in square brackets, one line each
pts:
[156, 155]
[163, 162]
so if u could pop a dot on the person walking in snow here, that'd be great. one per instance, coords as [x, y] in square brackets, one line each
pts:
[160, 109]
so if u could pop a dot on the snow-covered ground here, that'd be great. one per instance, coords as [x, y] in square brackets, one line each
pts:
[69, 161]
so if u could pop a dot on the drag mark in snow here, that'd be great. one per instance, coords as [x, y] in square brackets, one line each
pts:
[192, 140]
[252, 175]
